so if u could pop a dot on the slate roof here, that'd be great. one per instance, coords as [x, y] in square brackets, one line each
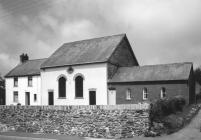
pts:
[163, 72]
[94, 50]
[30, 67]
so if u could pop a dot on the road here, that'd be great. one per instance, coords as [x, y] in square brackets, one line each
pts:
[29, 136]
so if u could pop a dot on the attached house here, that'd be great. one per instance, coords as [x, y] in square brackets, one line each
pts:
[98, 71]
[23, 83]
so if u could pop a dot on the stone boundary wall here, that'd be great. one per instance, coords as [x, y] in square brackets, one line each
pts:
[90, 122]
[139, 106]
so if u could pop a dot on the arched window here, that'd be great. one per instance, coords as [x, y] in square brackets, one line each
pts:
[145, 94]
[163, 92]
[79, 86]
[62, 86]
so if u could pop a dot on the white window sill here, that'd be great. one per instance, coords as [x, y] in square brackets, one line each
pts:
[79, 97]
[61, 98]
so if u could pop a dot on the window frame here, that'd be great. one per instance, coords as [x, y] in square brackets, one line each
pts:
[76, 86]
[59, 89]
[145, 93]
[128, 94]
[163, 93]
[30, 85]
[15, 81]
[15, 97]
[35, 97]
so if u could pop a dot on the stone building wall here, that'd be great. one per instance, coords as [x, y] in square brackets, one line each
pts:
[173, 88]
[102, 123]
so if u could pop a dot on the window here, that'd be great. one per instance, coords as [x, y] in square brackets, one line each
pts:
[79, 87]
[128, 94]
[15, 96]
[15, 81]
[163, 92]
[145, 94]
[35, 97]
[62, 87]
[30, 81]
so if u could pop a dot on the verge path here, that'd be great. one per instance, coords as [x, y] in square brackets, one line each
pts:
[31, 136]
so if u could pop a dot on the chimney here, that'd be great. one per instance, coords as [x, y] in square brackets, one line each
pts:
[24, 58]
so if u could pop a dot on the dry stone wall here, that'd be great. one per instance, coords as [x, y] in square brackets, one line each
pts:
[99, 123]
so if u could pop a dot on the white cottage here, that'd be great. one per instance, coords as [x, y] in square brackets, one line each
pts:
[75, 74]
[23, 83]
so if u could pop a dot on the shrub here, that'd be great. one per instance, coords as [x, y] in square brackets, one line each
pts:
[179, 103]
[151, 134]
[198, 98]
[164, 107]
[173, 122]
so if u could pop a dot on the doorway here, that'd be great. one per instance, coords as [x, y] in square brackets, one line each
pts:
[50, 98]
[92, 97]
[112, 97]
[27, 98]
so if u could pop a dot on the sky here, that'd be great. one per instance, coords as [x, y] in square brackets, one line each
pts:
[159, 31]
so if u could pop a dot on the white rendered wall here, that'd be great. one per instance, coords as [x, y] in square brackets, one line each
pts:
[22, 88]
[95, 77]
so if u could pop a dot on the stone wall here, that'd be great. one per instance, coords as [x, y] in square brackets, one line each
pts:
[100, 123]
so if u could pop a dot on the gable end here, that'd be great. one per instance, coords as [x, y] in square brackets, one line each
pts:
[123, 55]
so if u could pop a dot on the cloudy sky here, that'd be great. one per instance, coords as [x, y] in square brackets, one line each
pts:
[160, 31]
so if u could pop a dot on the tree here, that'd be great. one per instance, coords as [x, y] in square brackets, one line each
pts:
[2, 91]
[197, 74]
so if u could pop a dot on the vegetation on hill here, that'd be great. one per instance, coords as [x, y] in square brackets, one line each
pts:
[197, 74]
[2, 91]
[169, 115]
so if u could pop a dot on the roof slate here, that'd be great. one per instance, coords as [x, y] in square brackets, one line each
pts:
[85, 51]
[163, 72]
[30, 67]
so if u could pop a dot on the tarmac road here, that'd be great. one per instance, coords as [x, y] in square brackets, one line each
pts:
[30, 136]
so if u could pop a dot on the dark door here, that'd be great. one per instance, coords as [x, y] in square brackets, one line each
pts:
[92, 97]
[27, 98]
[51, 98]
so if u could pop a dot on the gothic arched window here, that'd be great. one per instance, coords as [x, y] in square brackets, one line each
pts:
[79, 86]
[62, 86]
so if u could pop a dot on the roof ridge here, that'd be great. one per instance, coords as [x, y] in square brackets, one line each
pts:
[122, 34]
[169, 64]
[162, 64]
[36, 59]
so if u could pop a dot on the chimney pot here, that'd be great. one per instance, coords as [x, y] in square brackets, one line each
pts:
[24, 58]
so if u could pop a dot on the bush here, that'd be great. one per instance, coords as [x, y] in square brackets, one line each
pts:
[164, 107]
[198, 98]
[173, 122]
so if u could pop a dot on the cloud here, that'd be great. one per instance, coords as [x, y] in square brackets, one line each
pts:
[159, 31]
